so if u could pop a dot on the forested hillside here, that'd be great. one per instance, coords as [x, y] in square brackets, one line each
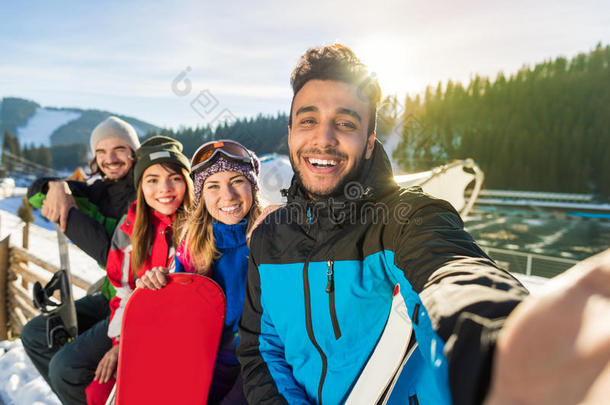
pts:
[79, 130]
[15, 112]
[59, 137]
[263, 134]
[543, 128]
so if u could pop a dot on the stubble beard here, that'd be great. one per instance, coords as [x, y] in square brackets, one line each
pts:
[337, 190]
[105, 170]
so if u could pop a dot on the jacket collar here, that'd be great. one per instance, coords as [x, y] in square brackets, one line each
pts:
[158, 220]
[230, 236]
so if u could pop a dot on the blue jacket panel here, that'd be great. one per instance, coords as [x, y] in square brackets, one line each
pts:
[229, 271]
[362, 306]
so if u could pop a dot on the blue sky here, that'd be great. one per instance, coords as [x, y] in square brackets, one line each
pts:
[123, 56]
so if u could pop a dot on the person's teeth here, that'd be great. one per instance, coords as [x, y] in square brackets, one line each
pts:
[229, 209]
[322, 162]
[165, 200]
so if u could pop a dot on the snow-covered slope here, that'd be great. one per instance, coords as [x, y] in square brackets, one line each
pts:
[42, 124]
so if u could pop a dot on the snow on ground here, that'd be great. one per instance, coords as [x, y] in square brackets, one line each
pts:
[20, 383]
[12, 204]
[42, 124]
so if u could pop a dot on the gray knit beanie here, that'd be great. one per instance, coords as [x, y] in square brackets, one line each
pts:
[114, 127]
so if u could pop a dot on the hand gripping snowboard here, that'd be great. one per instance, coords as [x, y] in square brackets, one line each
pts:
[61, 318]
[169, 341]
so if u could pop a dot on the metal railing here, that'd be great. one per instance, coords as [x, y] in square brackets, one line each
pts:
[537, 195]
[530, 264]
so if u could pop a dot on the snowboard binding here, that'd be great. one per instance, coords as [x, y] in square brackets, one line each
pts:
[57, 314]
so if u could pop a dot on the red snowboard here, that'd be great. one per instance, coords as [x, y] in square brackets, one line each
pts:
[169, 341]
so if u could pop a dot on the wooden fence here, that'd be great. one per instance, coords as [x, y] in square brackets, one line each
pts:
[16, 279]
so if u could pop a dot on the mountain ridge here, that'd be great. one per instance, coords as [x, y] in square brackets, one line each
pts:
[56, 125]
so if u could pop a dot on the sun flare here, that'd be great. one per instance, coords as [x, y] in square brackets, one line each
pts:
[391, 60]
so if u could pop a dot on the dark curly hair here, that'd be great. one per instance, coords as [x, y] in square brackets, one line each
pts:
[337, 62]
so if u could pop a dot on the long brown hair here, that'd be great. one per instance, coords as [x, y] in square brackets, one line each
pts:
[142, 234]
[199, 239]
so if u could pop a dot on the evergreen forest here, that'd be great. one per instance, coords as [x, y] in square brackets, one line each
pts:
[543, 128]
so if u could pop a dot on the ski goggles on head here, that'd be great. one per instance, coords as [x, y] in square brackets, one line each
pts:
[207, 152]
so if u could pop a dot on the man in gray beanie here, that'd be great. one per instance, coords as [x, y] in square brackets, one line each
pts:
[87, 213]
[113, 144]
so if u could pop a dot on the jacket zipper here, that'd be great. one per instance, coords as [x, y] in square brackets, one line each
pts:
[309, 327]
[330, 289]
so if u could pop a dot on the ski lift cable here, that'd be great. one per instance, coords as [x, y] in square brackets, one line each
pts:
[26, 162]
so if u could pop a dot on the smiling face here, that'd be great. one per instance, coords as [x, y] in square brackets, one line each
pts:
[227, 196]
[113, 157]
[163, 189]
[328, 139]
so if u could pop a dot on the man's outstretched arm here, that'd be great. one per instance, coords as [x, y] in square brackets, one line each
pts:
[555, 347]
[463, 294]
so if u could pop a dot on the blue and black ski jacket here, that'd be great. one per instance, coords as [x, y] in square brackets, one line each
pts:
[319, 290]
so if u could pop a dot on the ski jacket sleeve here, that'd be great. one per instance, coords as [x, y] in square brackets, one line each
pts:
[87, 227]
[89, 235]
[87, 202]
[267, 376]
[37, 191]
[462, 297]
[118, 270]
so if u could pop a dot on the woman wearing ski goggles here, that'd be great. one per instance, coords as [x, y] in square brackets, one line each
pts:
[210, 151]
[225, 182]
